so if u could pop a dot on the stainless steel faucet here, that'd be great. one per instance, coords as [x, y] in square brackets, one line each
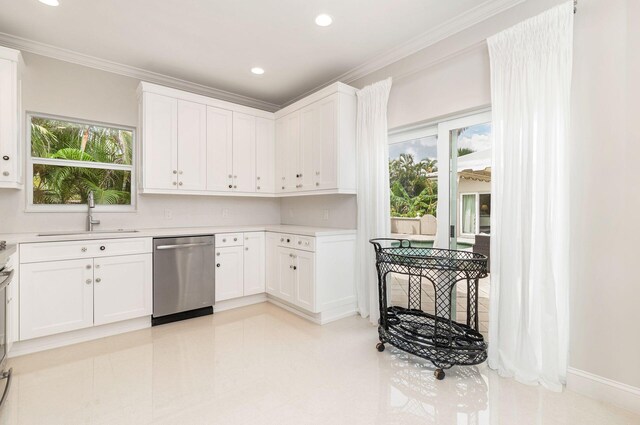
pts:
[91, 203]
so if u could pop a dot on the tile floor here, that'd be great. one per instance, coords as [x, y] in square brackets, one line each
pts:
[263, 365]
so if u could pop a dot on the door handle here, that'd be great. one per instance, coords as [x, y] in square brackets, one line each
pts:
[186, 245]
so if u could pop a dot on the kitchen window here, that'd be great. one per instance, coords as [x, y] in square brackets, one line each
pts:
[68, 158]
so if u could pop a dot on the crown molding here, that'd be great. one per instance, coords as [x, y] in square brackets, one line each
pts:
[448, 28]
[50, 51]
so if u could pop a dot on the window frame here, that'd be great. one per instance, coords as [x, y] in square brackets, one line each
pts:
[49, 208]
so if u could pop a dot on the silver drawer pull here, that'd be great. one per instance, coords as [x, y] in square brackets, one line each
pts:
[98, 280]
[83, 249]
[186, 245]
[88, 282]
[88, 266]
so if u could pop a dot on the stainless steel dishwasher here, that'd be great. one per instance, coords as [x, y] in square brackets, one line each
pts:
[183, 278]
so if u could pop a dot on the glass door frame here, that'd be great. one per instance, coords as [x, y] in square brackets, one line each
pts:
[446, 234]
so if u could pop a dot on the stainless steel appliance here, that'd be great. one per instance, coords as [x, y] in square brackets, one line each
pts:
[183, 278]
[6, 275]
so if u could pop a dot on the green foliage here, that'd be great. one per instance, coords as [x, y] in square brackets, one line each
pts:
[413, 192]
[464, 151]
[63, 184]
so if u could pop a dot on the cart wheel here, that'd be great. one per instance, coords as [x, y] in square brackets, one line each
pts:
[439, 374]
[380, 347]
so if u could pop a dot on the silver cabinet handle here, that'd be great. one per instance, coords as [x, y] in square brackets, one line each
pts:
[174, 183]
[217, 254]
[299, 242]
[97, 266]
[98, 280]
[317, 173]
[175, 171]
[180, 184]
[180, 172]
[224, 240]
[83, 249]
[88, 282]
[234, 186]
[235, 177]
[88, 266]
[246, 249]
[235, 239]
[5, 173]
[295, 268]
[281, 239]
[230, 176]
[258, 178]
[258, 187]
[317, 184]
[186, 245]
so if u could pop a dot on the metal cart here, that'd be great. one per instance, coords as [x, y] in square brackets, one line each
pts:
[434, 336]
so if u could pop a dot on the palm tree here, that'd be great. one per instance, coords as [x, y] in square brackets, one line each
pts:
[55, 184]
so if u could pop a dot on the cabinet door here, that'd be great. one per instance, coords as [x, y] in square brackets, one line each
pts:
[160, 141]
[289, 152]
[219, 149]
[244, 152]
[325, 156]
[285, 274]
[9, 160]
[254, 263]
[304, 275]
[192, 146]
[123, 288]
[229, 273]
[281, 160]
[271, 263]
[309, 139]
[55, 296]
[265, 156]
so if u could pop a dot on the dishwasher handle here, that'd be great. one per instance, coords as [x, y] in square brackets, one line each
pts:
[186, 245]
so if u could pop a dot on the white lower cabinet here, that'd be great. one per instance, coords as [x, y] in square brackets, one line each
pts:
[55, 297]
[229, 272]
[240, 268]
[313, 274]
[254, 263]
[285, 280]
[123, 288]
[304, 280]
[66, 294]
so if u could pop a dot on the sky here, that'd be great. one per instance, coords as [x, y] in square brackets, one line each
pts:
[477, 137]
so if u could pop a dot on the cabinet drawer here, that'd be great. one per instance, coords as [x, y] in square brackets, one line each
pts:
[229, 239]
[305, 243]
[52, 251]
[286, 240]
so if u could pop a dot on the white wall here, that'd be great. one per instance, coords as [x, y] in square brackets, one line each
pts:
[61, 88]
[453, 76]
[605, 191]
[310, 211]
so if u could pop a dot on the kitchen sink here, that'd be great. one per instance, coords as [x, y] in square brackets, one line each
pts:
[85, 232]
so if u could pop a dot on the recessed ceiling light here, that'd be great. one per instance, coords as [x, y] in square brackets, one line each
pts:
[257, 70]
[324, 20]
[50, 2]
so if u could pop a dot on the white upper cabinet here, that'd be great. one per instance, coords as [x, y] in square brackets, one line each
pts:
[244, 152]
[10, 162]
[219, 149]
[192, 146]
[160, 141]
[196, 145]
[265, 155]
[315, 143]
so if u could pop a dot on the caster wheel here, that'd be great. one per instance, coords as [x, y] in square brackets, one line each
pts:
[439, 374]
[380, 347]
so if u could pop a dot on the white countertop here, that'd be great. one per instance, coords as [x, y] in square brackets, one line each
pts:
[177, 231]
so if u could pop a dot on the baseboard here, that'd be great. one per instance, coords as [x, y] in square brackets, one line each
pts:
[318, 318]
[29, 346]
[239, 302]
[604, 389]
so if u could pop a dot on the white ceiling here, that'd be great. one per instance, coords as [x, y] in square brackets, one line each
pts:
[215, 42]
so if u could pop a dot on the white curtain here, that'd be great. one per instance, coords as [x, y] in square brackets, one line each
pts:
[373, 190]
[530, 93]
